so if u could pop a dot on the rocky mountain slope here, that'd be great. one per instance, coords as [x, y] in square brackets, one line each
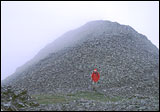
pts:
[127, 61]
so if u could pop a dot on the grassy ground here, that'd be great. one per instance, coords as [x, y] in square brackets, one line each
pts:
[52, 99]
[49, 99]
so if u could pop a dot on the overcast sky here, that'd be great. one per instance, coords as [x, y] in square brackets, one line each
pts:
[26, 27]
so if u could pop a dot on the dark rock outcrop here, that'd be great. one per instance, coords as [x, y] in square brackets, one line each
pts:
[16, 99]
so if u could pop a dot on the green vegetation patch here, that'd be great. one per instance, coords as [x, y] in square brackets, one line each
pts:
[49, 99]
[94, 96]
[61, 98]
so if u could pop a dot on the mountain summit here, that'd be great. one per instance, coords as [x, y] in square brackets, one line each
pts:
[127, 61]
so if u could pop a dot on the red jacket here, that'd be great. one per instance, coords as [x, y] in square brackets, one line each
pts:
[95, 76]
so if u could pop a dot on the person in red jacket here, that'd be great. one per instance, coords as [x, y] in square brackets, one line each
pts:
[95, 77]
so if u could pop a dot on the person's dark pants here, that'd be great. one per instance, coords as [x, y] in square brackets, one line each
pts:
[94, 85]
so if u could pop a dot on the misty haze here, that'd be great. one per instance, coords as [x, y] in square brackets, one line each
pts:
[80, 56]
